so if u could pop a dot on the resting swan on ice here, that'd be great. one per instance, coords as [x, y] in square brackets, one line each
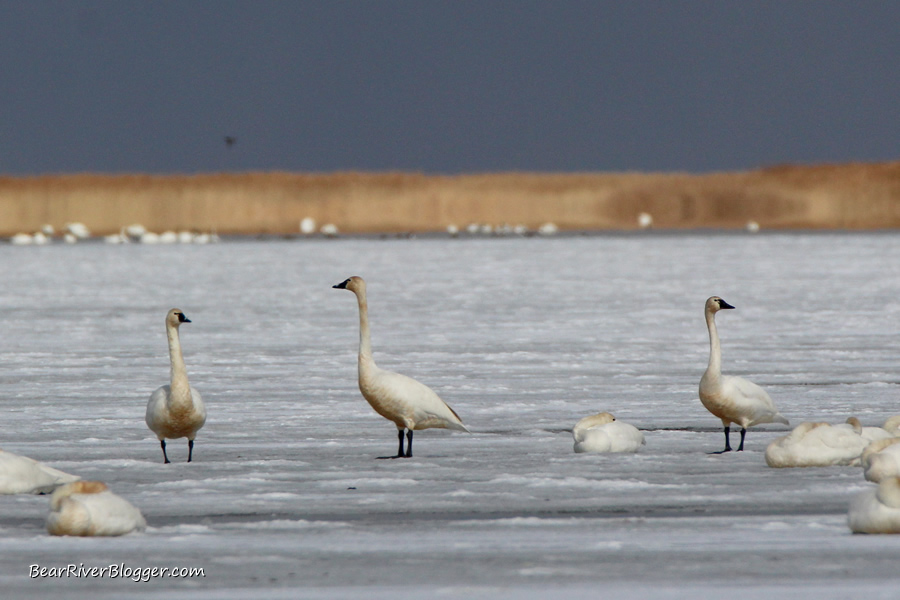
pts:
[870, 434]
[881, 459]
[602, 433]
[88, 508]
[176, 410]
[732, 399]
[398, 398]
[878, 510]
[816, 445]
[22, 475]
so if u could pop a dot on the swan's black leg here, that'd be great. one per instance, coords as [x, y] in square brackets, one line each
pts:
[190, 449]
[165, 456]
[400, 453]
[743, 433]
[727, 442]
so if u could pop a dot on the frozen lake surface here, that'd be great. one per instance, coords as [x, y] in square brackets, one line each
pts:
[522, 337]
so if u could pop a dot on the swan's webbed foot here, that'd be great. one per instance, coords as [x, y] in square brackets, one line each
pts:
[728, 441]
[166, 460]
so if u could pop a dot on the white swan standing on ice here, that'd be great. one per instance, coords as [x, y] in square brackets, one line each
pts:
[878, 510]
[23, 475]
[88, 508]
[398, 398]
[816, 445]
[732, 399]
[602, 433]
[176, 410]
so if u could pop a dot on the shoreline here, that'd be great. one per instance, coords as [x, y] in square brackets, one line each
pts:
[851, 196]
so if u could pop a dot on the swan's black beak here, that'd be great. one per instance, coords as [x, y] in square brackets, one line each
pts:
[182, 318]
[342, 285]
[723, 304]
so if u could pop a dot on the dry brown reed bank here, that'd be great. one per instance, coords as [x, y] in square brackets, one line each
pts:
[847, 196]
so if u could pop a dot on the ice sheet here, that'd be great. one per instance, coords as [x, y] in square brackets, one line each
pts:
[522, 337]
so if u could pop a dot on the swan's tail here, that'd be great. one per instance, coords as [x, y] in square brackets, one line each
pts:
[458, 427]
[779, 418]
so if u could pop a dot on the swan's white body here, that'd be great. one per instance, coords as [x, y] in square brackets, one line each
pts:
[176, 410]
[23, 475]
[816, 445]
[407, 403]
[878, 510]
[602, 433]
[88, 508]
[732, 399]
[881, 459]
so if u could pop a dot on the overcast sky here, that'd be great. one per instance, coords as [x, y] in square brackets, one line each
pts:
[445, 87]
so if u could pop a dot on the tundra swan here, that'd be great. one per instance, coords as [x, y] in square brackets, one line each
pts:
[892, 425]
[881, 459]
[878, 510]
[732, 399]
[307, 226]
[869, 434]
[21, 239]
[409, 404]
[176, 410]
[88, 508]
[816, 445]
[22, 475]
[602, 433]
[79, 230]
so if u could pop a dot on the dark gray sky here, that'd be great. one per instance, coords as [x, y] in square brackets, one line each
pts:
[446, 87]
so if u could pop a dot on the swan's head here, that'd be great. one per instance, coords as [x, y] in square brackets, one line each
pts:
[176, 318]
[354, 284]
[714, 304]
[855, 424]
[591, 421]
[76, 487]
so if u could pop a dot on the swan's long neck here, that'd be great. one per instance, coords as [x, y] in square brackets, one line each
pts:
[180, 388]
[365, 339]
[715, 349]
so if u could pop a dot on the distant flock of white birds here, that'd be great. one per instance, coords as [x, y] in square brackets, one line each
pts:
[176, 410]
[136, 233]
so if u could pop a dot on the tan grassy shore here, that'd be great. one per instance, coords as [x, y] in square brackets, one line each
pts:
[845, 196]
